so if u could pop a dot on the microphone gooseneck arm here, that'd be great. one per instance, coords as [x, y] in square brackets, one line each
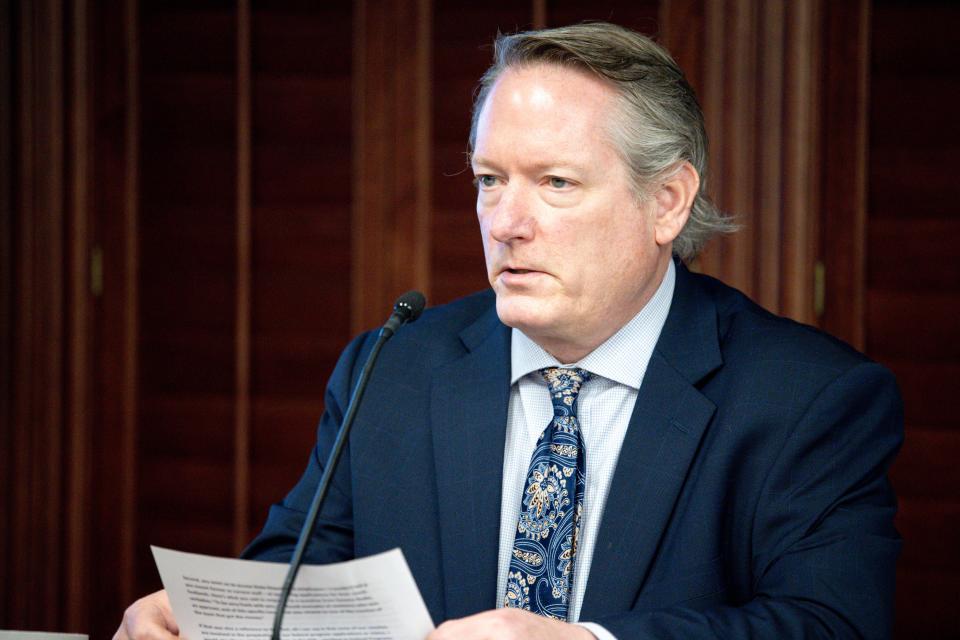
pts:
[408, 308]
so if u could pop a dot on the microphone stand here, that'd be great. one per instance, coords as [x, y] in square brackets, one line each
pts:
[407, 309]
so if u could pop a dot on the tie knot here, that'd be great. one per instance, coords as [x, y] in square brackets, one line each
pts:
[564, 386]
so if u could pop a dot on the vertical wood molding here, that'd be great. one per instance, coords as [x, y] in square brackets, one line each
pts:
[21, 503]
[51, 348]
[538, 10]
[739, 121]
[801, 201]
[711, 100]
[48, 527]
[391, 155]
[770, 168]
[130, 390]
[78, 424]
[844, 161]
[424, 146]
[7, 335]
[241, 516]
[38, 438]
[759, 75]
[358, 218]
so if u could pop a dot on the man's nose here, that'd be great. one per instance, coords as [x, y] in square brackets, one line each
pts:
[513, 214]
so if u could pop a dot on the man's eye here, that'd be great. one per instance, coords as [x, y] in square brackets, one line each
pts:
[559, 183]
[485, 181]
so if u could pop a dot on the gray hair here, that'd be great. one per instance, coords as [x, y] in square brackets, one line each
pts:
[660, 123]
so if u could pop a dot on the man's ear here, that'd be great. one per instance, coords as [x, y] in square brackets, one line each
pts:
[673, 202]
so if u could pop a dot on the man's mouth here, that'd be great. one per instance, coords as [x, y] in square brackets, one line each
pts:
[518, 270]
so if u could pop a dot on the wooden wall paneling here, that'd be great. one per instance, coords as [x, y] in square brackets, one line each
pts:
[912, 293]
[130, 399]
[756, 71]
[7, 278]
[462, 43]
[799, 242]
[391, 229]
[186, 279]
[49, 348]
[19, 492]
[642, 16]
[733, 31]
[423, 135]
[693, 32]
[113, 218]
[683, 31]
[77, 529]
[929, 245]
[39, 377]
[844, 161]
[711, 91]
[538, 8]
[302, 58]
[47, 436]
[769, 226]
[244, 267]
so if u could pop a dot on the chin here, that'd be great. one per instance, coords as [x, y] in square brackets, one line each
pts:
[526, 313]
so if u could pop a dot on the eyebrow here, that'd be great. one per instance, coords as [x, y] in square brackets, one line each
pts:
[554, 165]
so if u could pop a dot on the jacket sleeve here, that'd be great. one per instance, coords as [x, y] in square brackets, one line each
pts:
[332, 539]
[825, 545]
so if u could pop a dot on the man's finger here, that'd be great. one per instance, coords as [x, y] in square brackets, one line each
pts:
[149, 618]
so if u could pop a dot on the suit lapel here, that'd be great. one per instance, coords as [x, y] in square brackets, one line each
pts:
[668, 421]
[468, 414]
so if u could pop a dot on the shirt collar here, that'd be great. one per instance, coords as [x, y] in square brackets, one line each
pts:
[623, 357]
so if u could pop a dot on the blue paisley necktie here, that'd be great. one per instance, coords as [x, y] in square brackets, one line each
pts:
[541, 565]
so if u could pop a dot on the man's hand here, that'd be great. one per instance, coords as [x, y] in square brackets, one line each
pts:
[149, 618]
[508, 624]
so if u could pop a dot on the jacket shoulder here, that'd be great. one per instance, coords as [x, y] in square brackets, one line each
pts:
[748, 332]
[436, 335]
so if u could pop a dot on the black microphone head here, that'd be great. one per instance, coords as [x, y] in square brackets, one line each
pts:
[410, 305]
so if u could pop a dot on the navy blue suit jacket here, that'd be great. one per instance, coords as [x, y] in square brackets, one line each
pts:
[750, 498]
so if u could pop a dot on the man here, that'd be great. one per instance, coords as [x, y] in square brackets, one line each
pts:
[607, 444]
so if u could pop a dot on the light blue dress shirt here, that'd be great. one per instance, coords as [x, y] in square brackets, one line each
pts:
[604, 407]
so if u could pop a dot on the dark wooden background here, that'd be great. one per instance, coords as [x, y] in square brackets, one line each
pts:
[203, 200]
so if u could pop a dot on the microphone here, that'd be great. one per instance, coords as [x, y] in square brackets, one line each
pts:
[407, 308]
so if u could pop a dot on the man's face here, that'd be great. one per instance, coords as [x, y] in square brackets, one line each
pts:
[570, 250]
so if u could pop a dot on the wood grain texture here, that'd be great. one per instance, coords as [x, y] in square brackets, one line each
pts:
[189, 270]
[775, 127]
[130, 354]
[913, 293]
[919, 603]
[799, 243]
[844, 162]
[640, 15]
[41, 342]
[78, 399]
[244, 269]
[302, 61]
[757, 71]
[391, 131]
[7, 289]
[113, 371]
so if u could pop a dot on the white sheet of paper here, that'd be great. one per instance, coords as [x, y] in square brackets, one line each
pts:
[367, 599]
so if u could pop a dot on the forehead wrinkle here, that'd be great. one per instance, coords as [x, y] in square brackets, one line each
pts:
[546, 165]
